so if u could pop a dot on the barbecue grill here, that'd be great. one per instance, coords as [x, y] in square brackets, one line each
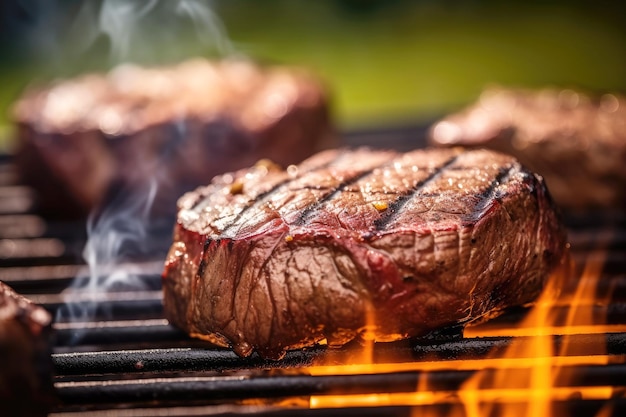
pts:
[126, 360]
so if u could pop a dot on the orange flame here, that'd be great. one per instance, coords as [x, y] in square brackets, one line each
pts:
[524, 381]
[540, 379]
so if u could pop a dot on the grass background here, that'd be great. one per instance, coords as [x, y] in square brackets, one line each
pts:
[395, 61]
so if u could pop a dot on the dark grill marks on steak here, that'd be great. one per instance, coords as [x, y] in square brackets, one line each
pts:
[504, 174]
[305, 262]
[309, 211]
[267, 195]
[395, 208]
[490, 193]
[201, 199]
[317, 179]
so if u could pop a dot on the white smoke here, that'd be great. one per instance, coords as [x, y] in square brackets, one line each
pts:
[152, 30]
[209, 27]
[119, 20]
[117, 236]
[125, 229]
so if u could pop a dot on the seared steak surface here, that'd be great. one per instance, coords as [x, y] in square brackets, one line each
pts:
[25, 362]
[358, 243]
[576, 141]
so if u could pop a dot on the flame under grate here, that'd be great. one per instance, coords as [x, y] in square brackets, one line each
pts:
[127, 360]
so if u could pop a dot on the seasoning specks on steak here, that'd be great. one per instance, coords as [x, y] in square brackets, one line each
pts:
[396, 244]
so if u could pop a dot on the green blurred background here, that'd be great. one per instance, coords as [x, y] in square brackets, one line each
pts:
[386, 62]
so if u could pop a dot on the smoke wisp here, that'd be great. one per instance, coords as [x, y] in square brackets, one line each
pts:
[126, 230]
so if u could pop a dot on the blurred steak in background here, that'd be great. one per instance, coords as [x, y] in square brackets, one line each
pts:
[179, 125]
[575, 140]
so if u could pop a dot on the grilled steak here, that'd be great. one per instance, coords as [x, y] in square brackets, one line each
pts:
[183, 124]
[25, 362]
[575, 141]
[355, 243]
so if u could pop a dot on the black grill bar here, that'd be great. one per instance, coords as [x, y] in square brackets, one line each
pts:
[16, 199]
[125, 305]
[240, 387]
[173, 359]
[119, 332]
[481, 347]
[52, 279]
[126, 360]
[231, 410]
[574, 407]
[212, 359]
[120, 320]
[268, 386]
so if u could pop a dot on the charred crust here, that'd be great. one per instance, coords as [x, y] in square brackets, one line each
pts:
[492, 192]
[497, 295]
[258, 200]
[531, 181]
[547, 255]
[396, 206]
[201, 267]
[309, 211]
[263, 197]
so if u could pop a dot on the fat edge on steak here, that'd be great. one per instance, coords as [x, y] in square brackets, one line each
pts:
[355, 241]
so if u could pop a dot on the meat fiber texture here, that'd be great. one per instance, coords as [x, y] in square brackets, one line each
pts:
[179, 125]
[358, 243]
[25, 357]
[575, 140]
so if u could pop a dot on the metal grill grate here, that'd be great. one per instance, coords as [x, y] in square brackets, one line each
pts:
[128, 361]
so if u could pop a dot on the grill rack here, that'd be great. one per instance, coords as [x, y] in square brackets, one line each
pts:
[131, 362]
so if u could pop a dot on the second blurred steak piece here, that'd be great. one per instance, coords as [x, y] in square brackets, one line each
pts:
[575, 141]
[25, 363]
[182, 124]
